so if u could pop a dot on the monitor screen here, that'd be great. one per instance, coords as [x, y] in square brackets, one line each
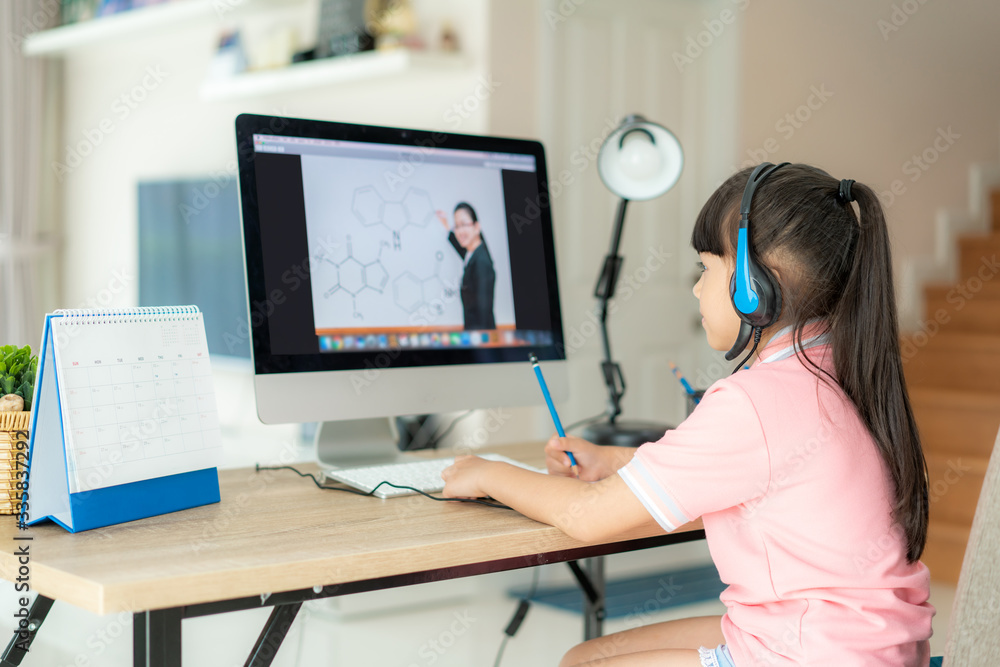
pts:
[373, 250]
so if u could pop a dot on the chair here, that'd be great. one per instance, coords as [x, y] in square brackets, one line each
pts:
[974, 634]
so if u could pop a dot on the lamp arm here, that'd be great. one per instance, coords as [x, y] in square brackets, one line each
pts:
[607, 281]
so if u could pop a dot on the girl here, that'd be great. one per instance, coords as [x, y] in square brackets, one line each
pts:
[806, 469]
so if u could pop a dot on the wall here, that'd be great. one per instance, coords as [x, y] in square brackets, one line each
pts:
[908, 95]
[565, 73]
[163, 128]
[560, 81]
[878, 90]
[134, 110]
[601, 62]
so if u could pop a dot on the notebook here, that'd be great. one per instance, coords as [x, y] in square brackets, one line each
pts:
[124, 423]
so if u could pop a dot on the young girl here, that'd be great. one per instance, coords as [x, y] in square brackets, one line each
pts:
[806, 469]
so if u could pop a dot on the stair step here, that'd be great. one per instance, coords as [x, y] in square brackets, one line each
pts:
[945, 550]
[976, 315]
[959, 308]
[979, 259]
[956, 423]
[995, 209]
[955, 483]
[990, 290]
[952, 360]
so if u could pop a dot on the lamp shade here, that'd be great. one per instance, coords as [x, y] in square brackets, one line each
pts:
[640, 159]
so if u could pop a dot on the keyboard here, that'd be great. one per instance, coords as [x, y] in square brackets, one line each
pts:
[423, 475]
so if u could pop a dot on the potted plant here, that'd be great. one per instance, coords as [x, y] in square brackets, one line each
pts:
[18, 368]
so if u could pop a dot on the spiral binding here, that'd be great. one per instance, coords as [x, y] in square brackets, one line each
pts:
[120, 315]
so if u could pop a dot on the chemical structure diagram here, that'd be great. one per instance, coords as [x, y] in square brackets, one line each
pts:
[353, 277]
[371, 208]
[430, 293]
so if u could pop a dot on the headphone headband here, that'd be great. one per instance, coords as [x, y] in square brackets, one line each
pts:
[759, 175]
[755, 295]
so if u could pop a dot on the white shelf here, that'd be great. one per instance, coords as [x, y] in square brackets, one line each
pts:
[330, 71]
[132, 24]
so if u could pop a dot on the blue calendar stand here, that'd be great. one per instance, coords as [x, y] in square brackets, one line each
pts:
[49, 496]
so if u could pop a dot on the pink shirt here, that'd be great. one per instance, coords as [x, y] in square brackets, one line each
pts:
[796, 505]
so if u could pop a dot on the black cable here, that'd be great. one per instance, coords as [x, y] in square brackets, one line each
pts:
[756, 339]
[357, 492]
[503, 645]
[518, 617]
[438, 437]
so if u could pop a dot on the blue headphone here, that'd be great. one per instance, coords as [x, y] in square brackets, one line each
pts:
[753, 290]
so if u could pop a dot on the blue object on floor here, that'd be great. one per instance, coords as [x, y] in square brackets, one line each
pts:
[640, 595]
[937, 662]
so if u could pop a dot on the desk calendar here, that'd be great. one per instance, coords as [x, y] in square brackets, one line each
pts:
[125, 422]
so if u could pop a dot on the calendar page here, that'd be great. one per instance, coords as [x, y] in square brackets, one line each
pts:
[136, 396]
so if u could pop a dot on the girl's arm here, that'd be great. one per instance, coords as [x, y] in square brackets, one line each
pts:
[586, 511]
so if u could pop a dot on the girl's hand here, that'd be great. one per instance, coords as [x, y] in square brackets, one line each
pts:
[462, 478]
[593, 461]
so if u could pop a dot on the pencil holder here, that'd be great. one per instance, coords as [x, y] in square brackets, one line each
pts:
[14, 430]
[692, 400]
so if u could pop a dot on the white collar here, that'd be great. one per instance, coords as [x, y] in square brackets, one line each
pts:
[785, 352]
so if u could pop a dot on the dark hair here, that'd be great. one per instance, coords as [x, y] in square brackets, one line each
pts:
[833, 267]
[468, 207]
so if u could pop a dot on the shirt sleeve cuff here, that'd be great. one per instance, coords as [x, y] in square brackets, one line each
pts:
[652, 495]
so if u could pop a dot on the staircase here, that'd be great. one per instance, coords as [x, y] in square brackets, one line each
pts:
[953, 375]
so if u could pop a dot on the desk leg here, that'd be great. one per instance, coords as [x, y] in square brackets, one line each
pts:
[272, 635]
[156, 638]
[593, 619]
[592, 584]
[21, 642]
[139, 639]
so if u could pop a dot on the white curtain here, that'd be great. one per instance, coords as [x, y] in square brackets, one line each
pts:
[28, 117]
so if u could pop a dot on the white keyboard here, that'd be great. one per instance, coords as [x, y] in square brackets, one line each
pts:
[423, 475]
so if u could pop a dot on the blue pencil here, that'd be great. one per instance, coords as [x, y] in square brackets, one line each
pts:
[552, 409]
[684, 383]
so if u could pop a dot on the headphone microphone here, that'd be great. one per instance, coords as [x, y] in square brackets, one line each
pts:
[753, 290]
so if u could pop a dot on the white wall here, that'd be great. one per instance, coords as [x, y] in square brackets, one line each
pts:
[561, 82]
[173, 132]
[163, 128]
[565, 73]
[895, 74]
[566, 70]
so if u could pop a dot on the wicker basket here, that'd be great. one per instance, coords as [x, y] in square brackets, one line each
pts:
[13, 442]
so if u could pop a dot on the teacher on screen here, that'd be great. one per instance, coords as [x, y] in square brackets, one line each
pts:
[479, 278]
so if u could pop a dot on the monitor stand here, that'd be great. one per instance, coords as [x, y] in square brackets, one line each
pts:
[356, 442]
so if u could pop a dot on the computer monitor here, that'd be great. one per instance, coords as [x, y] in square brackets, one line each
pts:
[394, 271]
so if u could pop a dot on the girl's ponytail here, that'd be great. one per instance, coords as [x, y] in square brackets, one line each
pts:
[865, 339]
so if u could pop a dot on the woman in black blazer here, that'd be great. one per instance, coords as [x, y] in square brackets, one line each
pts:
[479, 278]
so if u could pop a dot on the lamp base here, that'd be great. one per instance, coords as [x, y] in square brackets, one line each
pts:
[625, 433]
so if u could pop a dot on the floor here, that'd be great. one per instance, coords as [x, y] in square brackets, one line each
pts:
[457, 623]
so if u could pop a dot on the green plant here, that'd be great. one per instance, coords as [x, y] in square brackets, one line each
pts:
[17, 372]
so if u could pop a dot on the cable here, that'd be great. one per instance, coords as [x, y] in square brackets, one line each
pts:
[357, 492]
[518, 617]
[756, 339]
[438, 437]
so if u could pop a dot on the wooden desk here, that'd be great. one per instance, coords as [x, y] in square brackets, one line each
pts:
[275, 539]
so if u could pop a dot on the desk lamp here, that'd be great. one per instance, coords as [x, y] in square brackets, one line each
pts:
[640, 160]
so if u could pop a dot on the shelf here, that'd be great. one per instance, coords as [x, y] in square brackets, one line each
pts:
[330, 71]
[132, 24]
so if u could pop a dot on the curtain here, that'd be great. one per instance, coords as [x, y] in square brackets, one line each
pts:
[28, 116]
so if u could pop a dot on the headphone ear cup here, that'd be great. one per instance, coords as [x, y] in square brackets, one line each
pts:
[768, 296]
[769, 293]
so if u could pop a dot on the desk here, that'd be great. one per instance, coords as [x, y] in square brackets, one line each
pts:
[276, 540]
